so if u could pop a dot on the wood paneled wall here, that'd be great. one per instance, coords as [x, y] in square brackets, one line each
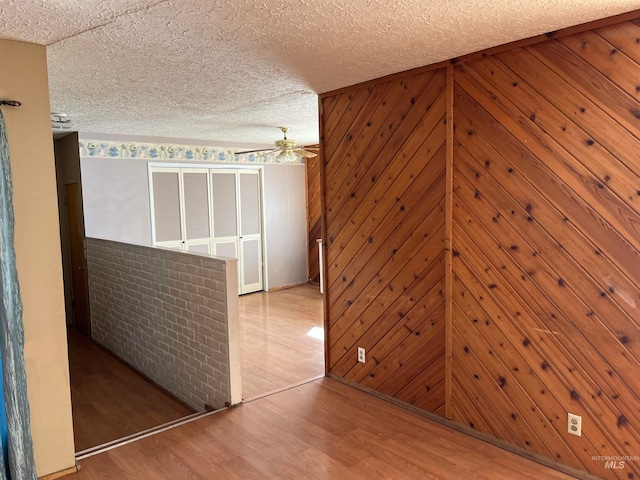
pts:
[384, 195]
[314, 225]
[545, 297]
[546, 240]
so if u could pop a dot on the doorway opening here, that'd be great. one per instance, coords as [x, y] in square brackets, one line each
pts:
[219, 210]
[205, 209]
[110, 400]
[281, 339]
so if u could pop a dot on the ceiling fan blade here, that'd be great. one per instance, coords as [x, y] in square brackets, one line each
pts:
[266, 152]
[259, 150]
[304, 153]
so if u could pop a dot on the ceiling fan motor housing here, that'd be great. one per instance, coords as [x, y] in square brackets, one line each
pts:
[285, 149]
[288, 144]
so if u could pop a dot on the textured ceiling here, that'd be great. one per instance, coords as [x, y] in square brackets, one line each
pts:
[234, 70]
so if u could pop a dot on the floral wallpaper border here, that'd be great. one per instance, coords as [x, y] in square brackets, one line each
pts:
[161, 151]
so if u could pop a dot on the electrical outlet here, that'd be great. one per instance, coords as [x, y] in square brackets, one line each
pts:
[574, 426]
[361, 357]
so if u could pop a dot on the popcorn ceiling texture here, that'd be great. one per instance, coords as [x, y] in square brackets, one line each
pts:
[234, 70]
[47, 22]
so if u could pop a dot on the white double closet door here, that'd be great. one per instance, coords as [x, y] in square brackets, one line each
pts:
[211, 210]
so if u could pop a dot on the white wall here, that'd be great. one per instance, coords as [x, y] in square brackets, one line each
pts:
[285, 215]
[116, 207]
[115, 194]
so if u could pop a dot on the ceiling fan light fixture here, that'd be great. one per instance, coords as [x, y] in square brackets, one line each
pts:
[285, 150]
[286, 156]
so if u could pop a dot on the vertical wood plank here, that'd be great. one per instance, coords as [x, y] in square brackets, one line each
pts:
[448, 244]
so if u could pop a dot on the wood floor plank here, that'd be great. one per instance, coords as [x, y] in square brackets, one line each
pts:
[110, 400]
[275, 350]
[385, 441]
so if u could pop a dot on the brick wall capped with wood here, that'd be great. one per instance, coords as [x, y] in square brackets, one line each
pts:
[165, 313]
[543, 313]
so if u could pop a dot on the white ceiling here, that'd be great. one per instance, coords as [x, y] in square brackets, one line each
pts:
[234, 70]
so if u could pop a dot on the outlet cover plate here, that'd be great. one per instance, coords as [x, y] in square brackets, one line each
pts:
[361, 355]
[574, 425]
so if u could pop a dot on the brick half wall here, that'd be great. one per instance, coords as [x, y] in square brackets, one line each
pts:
[168, 314]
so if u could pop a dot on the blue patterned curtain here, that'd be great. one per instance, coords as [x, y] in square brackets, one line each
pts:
[17, 447]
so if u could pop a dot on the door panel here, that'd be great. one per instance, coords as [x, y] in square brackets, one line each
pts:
[166, 206]
[227, 249]
[196, 204]
[249, 203]
[225, 211]
[224, 193]
[196, 207]
[250, 231]
[251, 261]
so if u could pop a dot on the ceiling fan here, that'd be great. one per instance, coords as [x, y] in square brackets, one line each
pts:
[285, 149]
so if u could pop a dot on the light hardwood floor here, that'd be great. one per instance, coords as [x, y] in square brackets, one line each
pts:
[276, 351]
[319, 430]
[109, 399]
